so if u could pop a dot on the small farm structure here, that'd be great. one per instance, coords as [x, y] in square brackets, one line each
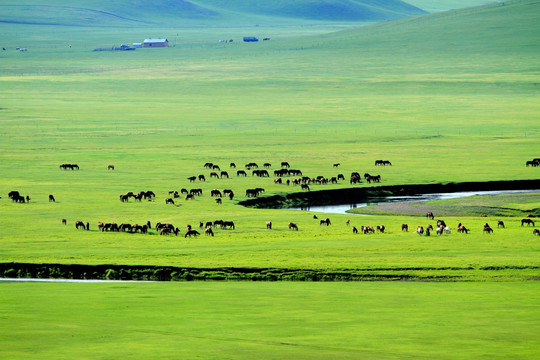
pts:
[147, 43]
[250, 39]
[137, 45]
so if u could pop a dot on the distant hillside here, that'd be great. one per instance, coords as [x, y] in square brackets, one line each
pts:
[139, 12]
[504, 28]
[433, 6]
[337, 10]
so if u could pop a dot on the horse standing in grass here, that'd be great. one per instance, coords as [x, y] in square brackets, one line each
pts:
[529, 222]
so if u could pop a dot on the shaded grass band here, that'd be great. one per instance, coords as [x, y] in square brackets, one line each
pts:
[169, 273]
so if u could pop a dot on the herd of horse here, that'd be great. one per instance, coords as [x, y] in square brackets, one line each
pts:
[160, 228]
[303, 181]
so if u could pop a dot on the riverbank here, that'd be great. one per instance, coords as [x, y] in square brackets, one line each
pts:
[360, 194]
[91, 273]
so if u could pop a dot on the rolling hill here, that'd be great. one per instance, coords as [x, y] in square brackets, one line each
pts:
[141, 12]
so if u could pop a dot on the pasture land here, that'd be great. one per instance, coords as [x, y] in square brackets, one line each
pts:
[297, 320]
[448, 97]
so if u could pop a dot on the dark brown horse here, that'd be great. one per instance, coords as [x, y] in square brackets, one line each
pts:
[293, 226]
[529, 222]
[325, 222]
[79, 224]
[192, 232]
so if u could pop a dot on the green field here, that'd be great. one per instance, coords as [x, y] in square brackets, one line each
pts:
[289, 320]
[447, 97]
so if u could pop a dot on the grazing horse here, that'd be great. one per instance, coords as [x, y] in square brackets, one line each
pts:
[64, 221]
[214, 174]
[241, 173]
[487, 229]
[208, 231]
[500, 223]
[354, 230]
[285, 164]
[293, 226]
[192, 232]
[336, 165]
[215, 192]
[367, 229]
[348, 222]
[218, 201]
[169, 201]
[224, 173]
[79, 224]
[227, 224]
[420, 230]
[269, 225]
[381, 228]
[462, 229]
[536, 232]
[430, 215]
[252, 192]
[325, 222]
[192, 178]
[527, 221]
[232, 165]
[404, 227]
[51, 198]
[202, 178]
[305, 187]
[110, 167]
[267, 165]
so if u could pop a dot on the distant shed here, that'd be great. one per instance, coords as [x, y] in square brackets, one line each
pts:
[147, 43]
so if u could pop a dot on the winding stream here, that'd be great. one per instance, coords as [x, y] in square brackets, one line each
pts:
[343, 209]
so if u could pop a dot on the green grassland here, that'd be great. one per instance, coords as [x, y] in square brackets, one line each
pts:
[447, 97]
[291, 320]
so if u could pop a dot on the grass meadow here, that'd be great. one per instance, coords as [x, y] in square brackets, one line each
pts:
[284, 320]
[447, 97]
